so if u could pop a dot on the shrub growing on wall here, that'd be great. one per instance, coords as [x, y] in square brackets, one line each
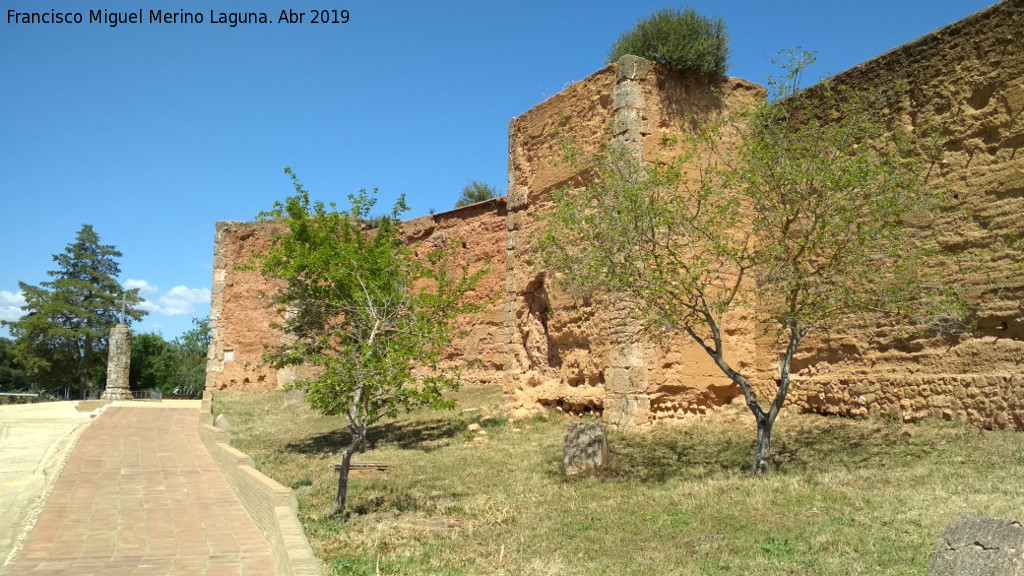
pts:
[685, 41]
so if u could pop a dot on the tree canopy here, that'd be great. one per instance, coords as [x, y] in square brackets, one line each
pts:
[684, 41]
[13, 377]
[370, 319]
[803, 221]
[62, 337]
[177, 367]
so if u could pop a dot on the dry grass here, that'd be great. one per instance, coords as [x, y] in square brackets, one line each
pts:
[847, 497]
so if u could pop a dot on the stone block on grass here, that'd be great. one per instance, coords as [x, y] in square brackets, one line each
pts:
[585, 449]
[979, 545]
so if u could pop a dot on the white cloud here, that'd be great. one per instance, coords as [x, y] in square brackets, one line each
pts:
[178, 301]
[182, 300]
[145, 288]
[10, 305]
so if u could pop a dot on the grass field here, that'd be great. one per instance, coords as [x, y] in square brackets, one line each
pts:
[846, 497]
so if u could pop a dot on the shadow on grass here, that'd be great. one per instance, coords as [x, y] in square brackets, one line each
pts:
[422, 435]
[665, 454]
[820, 444]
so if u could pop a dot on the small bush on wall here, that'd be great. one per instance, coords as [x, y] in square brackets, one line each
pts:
[685, 41]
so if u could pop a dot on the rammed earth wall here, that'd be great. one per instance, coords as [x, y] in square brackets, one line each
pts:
[966, 81]
[240, 317]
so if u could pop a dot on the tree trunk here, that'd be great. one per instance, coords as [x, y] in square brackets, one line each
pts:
[765, 421]
[762, 450]
[346, 463]
[339, 501]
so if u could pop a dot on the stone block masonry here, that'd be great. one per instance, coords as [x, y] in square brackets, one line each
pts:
[119, 358]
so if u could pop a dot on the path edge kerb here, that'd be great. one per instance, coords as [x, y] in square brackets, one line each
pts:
[271, 506]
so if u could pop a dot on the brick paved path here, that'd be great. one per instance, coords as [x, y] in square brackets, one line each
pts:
[140, 496]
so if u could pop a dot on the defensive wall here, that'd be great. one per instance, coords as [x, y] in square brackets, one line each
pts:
[240, 318]
[966, 81]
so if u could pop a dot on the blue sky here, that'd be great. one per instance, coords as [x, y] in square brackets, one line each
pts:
[154, 132]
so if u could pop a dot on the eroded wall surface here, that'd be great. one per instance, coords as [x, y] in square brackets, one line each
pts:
[240, 318]
[582, 357]
[965, 81]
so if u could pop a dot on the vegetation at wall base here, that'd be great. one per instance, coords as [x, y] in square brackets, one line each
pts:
[684, 41]
[863, 497]
[370, 319]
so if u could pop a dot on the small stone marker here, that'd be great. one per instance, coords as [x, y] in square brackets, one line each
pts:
[585, 449]
[980, 545]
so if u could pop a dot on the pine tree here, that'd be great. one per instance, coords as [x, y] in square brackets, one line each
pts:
[63, 335]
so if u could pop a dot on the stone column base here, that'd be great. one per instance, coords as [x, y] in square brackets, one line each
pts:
[116, 394]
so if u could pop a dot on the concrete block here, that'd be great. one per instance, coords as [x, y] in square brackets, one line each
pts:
[617, 381]
[633, 142]
[511, 286]
[628, 94]
[295, 396]
[517, 198]
[630, 67]
[630, 119]
[627, 411]
[626, 355]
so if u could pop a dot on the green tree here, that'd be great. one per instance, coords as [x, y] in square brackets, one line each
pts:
[475, 192]
[685, 41]
[152, 363]
[190, 362]
[806, 222]
[13, 377]
[369, 318]
[175, 367]
[63, 334]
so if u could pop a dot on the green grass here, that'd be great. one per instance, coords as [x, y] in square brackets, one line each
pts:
[846, 497]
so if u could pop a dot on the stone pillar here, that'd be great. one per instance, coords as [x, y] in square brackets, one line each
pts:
[630, 123]
[626, 403]
[516, 202]
[119, 359]
[215, 353]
